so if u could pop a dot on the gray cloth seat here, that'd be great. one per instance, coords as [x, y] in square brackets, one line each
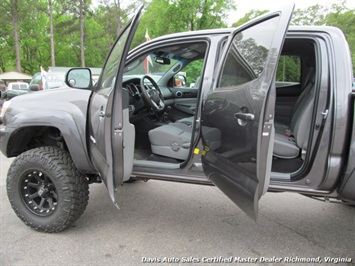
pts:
[291, 139]
[174, 140]
[187, 120]
[171, 140]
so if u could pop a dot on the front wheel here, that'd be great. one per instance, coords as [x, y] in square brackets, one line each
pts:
[46, 190]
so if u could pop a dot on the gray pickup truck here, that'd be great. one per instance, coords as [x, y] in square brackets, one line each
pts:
[270, 108]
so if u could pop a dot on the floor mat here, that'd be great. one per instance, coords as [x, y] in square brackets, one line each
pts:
[286, 165]
[142, 154]
[163, 159]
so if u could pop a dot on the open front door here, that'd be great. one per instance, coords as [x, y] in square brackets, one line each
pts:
[240, 109]
[111, 134]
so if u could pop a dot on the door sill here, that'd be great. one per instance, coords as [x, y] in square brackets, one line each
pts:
[275, 176]
[154, 164]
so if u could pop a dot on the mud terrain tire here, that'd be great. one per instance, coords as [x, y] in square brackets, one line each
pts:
[46, 190]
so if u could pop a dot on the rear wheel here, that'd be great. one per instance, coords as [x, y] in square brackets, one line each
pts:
[46, 190]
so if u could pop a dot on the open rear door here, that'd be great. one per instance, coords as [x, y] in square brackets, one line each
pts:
[347, 187]
[239, 109]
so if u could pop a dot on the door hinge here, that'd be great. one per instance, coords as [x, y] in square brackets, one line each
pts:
[118, 132]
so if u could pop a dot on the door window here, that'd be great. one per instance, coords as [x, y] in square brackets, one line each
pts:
[248, 54]
[110, 70]
[192, 73]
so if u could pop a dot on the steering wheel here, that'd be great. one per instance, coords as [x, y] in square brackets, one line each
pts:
[152, 94]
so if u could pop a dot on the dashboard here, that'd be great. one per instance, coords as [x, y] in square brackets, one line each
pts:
[134, 89]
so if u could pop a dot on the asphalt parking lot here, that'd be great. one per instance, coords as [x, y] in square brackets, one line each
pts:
[161, 222]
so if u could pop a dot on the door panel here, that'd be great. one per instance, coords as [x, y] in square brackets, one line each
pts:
[184, 92]
[107, 117]
[185, 85]
[240, 105]
[187, 106]
[185, 101]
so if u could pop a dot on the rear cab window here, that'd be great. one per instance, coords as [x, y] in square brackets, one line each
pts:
[288, 71]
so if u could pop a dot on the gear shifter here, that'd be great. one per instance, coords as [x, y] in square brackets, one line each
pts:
[166, 114]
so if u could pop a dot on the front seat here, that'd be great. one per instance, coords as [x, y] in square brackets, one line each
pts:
[187, 120]
[174, 140]
[171, 140]
[290, 140]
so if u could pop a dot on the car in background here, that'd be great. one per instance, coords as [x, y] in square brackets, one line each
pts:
[15, 89]
[39, 82]
[49, 80]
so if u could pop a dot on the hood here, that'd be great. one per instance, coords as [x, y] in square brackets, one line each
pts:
[52, 98]
[73, 101]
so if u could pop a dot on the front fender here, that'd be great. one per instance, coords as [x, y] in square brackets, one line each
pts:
[72, 130]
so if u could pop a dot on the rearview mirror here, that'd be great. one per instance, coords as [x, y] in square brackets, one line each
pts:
[79, 78]
[162, 60]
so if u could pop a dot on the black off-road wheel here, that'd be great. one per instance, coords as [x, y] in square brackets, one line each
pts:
[46, 190]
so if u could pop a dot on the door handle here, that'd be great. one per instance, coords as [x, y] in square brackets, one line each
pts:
[245, 116]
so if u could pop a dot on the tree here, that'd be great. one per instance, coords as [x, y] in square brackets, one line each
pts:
[10, 21]
[61, 6]
[81, 19]
[18, 26]
[338, 15]
[51, 31]
[289, 68]
[345, 20]
[248, 16]
[35, 46]
[69, 27]
[7, 56]
[15, 21]
[113, 11]
[111, 17]
[313, 15]
[57, 32]
[170, 16]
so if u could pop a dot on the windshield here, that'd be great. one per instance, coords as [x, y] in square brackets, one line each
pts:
[149, 66]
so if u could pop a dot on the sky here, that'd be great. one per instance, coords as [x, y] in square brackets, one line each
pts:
[244, 6]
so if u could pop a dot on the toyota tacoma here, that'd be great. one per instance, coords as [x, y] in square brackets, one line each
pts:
[263, 107]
